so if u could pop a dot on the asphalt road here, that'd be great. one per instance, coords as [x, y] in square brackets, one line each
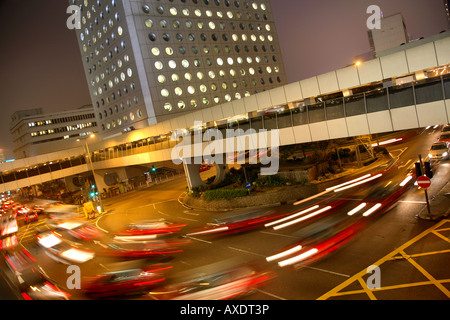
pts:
[381, 234]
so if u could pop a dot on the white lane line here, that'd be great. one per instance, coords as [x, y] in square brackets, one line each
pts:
[201, 240]
[328, 271]
[271, 294]
[278, 234]
[245, 251]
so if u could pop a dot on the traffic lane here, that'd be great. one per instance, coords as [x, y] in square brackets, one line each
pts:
[8, 287]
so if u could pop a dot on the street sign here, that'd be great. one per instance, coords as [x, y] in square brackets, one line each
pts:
[424, 182]
[248, 185]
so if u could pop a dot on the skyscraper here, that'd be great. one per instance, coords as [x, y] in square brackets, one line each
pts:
[146, 61]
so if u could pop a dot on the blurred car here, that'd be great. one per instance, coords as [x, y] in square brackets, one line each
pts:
[38, 209]
[9, 243]
[31, 216]
[439, 150]
[20, 211]
[139, 250]
[33, 281]
[8, 225]
[238, 223]
[205, 167]
[77, 229]
[445, 137]
[126, 279]
[220, 284]
[59, 250]
[36, 286]
[148, 229]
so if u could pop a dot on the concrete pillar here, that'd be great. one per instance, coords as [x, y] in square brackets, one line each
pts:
[194, 180]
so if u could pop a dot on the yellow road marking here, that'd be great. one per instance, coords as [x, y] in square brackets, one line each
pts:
[393, 287]
[366, 289]
[441, 236]
[337, 289]
[427, 275]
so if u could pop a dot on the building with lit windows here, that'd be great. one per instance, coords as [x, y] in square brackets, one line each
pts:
[149, 61]
[35, 133]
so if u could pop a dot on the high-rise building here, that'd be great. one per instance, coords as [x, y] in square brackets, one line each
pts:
[147, 61]
[35, 133]
[393, 33]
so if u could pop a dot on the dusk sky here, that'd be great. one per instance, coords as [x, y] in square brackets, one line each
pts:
[42, 67]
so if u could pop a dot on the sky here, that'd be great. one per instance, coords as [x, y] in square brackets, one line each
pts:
[42, 67]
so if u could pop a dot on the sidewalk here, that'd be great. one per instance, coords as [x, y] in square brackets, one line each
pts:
[439, 205]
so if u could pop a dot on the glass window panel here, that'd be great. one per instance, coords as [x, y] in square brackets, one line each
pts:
[316, 112]
[354, 105]
[429, 90]
[401, 96]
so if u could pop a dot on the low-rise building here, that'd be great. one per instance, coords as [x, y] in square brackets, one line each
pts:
[35, 133]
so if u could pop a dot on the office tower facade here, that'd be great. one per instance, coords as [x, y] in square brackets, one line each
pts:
[147, 61]
[35, 133]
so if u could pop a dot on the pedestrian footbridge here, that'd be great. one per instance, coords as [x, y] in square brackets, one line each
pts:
[405, 88]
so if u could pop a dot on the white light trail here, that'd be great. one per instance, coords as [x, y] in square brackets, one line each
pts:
[372, 210]
[359, 183]
[310, 198]
[298, 258]
[358, 208]
[284, 253]
[208, 231]
[405, 181]
[291, 216]
[315, 213]
[349, 182]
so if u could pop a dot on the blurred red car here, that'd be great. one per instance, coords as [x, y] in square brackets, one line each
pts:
[148, 229]
[205, 167]
[131, 280]
[31, 216]
[238, 223]
[137, 250]
[224, 284]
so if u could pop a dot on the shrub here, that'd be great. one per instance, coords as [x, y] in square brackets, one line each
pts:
[224, 194]
[270, 181]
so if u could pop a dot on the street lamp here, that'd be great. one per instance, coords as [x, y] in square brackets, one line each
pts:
[92, 166]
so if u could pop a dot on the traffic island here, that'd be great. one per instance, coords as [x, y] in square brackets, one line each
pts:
[439, 205]
[287, 193]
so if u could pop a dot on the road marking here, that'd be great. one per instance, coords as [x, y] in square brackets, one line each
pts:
[404, 165]
[328, 271]
[271, 294]
[245, 251]
[164, 214]
[191, 213]
[393, 255]
[366, 289]
[201, 240]
[278, 234]
[427, 275]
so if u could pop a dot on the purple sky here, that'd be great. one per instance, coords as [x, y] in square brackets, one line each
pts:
[42, 67]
